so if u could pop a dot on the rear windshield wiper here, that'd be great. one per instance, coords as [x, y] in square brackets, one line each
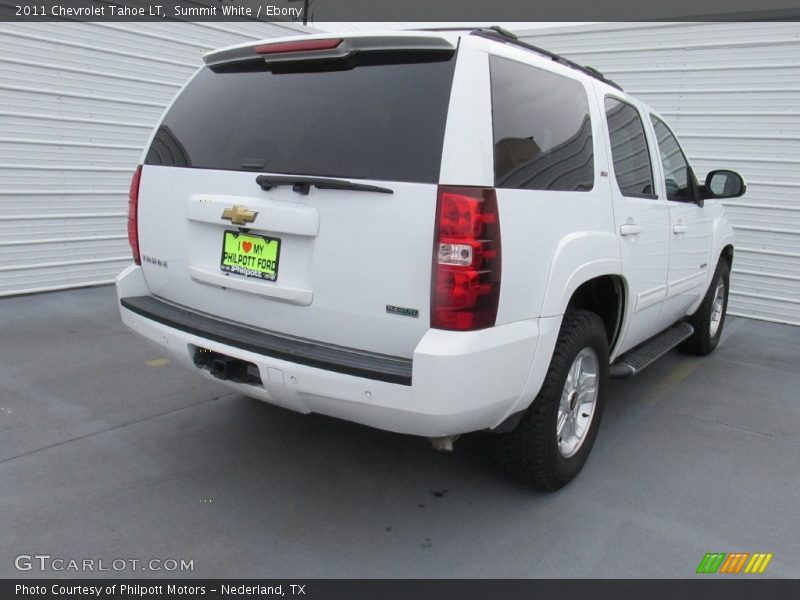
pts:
[302, 184]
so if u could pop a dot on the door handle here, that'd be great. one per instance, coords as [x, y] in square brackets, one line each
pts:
[679, 229]
[630, 229]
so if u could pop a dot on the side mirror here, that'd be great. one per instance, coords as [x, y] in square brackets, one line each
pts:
[724, 184]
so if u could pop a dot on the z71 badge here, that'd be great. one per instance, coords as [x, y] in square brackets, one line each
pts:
[402, 311]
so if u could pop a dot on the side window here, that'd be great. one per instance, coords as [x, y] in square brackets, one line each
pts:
[542, 129]
[631, 157]
[676, 169]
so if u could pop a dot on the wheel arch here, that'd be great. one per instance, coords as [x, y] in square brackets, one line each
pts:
[727, 254]
[605, 296]
[579, 257]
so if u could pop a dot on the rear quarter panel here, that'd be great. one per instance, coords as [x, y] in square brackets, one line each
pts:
[551, 241]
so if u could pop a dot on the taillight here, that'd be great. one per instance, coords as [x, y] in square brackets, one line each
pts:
[466, 259]
[298, 46]
[133, 215]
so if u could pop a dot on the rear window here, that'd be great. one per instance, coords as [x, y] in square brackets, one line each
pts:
[369, 121]
[542, 129]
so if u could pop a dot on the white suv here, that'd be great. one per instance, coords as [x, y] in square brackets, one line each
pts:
[431, 232]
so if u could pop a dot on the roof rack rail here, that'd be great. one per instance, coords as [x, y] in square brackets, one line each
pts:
[451, 28]
[506, 37]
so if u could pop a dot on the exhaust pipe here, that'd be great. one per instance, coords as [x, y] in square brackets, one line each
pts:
[444, 443]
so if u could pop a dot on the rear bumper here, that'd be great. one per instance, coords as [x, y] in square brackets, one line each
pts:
[456, 382]
[303, 352]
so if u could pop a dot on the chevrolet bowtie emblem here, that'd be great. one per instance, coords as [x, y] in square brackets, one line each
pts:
[239, 215]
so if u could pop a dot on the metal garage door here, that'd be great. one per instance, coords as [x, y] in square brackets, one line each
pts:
[77, 103]
[732, 93]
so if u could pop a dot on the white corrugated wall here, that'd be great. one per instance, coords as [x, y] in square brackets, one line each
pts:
[731, 91]
[77, 104]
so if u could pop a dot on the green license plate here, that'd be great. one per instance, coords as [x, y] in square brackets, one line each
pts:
[250, 255]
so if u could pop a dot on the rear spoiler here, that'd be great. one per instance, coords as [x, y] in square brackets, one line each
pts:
[326, 48]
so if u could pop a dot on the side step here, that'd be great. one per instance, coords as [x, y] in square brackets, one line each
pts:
[633, 361]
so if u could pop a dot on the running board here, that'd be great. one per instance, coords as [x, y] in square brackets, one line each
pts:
[633, 361]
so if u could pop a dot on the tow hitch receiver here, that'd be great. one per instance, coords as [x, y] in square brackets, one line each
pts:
[226, 367]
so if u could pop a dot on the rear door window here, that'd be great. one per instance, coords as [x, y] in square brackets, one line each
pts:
[542, 129]
[631, 156]
[380, 118]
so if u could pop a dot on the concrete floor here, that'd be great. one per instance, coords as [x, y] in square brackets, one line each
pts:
[105, 456]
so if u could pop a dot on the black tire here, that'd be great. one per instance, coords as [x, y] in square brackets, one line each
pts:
[531, 452]
[702, 342]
